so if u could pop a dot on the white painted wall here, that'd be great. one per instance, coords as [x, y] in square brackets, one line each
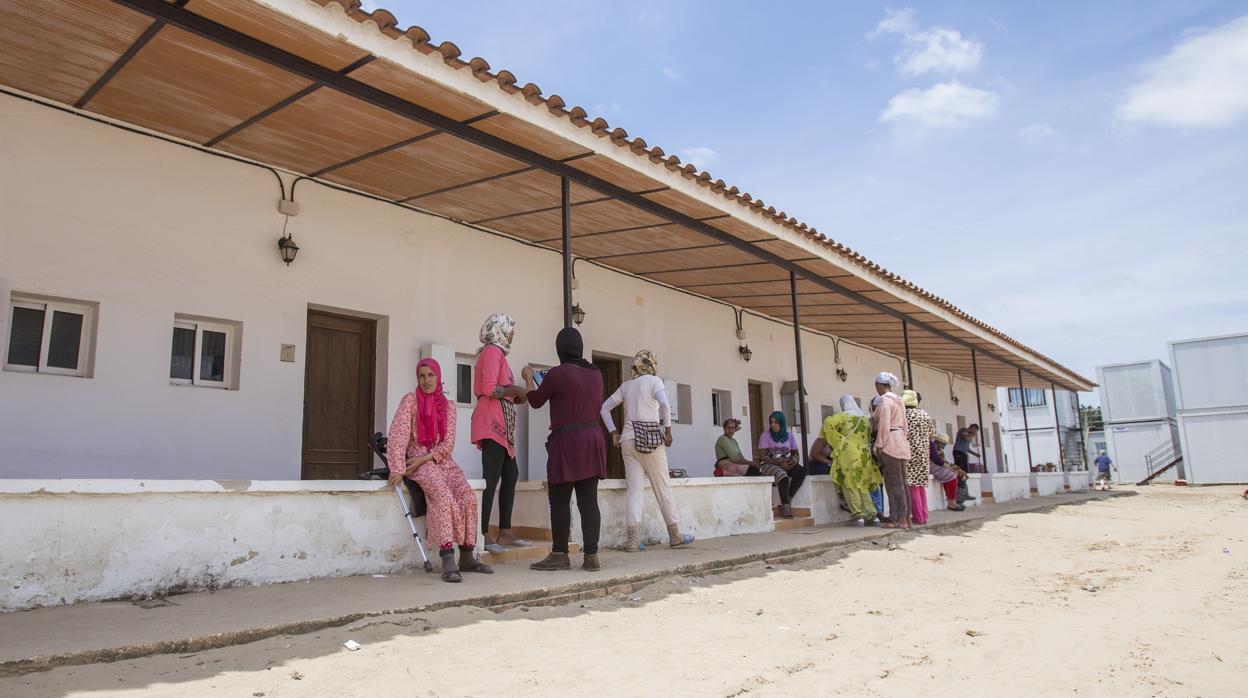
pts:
[115, 539]
[148, 229]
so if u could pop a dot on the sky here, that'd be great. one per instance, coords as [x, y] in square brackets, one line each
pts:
[1074, 174]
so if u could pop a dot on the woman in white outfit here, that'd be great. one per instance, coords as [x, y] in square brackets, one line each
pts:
[644, 438]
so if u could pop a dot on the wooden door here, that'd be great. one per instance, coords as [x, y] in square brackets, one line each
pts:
[756, 414]
[612, 377]
[338, 396]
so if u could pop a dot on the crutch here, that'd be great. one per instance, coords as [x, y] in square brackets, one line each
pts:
[420, 545]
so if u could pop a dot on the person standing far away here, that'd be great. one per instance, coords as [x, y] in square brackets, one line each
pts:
[1103, 464]
[643, 440]
[576, 453]
[494, 427]
[892, 448]
[920, 429]
[962, 450]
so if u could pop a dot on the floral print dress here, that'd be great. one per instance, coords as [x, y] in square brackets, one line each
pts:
[451, 503]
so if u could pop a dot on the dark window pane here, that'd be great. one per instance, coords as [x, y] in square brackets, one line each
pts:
[65, 341]
[463, 383]
[182, 360]
[212, 356]
[25, 337]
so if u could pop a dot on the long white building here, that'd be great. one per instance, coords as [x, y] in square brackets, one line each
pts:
[154, 154]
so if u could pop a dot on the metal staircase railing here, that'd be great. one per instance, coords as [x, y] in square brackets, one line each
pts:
[1165, 456]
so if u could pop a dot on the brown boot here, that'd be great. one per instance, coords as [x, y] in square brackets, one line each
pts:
[468, 562]
[591, 563]
[553, 562]
[633, 543]
[677, 539]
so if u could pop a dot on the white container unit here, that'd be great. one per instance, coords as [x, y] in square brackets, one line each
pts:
[1211, 387]
[1138, 405]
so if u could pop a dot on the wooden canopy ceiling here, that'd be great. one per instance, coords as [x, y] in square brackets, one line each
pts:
[246, 79]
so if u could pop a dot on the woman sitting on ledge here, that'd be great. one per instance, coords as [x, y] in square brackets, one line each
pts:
[779, 461]
[422, 437]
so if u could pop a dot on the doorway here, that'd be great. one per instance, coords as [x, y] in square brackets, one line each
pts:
[756, 413]
[338, 396]
[612, 376]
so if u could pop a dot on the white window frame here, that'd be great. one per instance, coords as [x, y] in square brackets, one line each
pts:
[196, 359]
[49, 308]
[468, 360]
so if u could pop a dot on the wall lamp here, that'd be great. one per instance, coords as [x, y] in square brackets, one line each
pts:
[578, 314]
[745, 352]
[842, 374]
[287, 247]
[954, 398]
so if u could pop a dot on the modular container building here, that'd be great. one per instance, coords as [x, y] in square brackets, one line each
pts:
[1138, 406]
[1211, 386]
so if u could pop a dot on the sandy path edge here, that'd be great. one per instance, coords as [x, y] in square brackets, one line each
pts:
[541, 596]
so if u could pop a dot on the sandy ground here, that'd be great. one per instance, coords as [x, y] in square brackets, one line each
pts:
[1136, 596]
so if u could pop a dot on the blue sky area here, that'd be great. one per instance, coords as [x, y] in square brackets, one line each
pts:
[1074, 174]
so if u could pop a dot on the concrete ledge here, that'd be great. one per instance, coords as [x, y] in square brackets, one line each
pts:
[44, 638]
[1046, 484]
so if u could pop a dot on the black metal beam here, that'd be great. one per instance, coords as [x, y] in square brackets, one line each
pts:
[130, 52]
[905, 336]
[801, 375]
[245, 123]
[297, 65]
[1057, 427]
[646, 252]
[1022, 399]
[979, 409]
[565, 196]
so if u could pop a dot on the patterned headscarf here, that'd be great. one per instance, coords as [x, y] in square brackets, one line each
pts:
[645, 362]
[497, 331]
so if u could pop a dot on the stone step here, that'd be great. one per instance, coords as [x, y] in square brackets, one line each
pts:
[798, 512]
[987, 498]
[790, 524]
[525, 532]
[532, 554]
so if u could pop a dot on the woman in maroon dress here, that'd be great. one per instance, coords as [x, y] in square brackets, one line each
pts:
[576, 452]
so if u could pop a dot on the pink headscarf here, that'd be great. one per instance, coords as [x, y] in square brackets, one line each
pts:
[430, 409]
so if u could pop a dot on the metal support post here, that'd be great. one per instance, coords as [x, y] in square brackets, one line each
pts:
[1022, 400]
[979, 408]
[801, 375]
[566, 206]
[905, 336]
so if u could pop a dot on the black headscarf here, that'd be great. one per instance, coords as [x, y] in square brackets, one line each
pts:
[571, 348]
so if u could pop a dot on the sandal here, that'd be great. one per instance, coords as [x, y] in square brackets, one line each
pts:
[468, 562]
[890, 524]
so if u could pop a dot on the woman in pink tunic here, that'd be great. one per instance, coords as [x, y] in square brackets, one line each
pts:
[422, 438]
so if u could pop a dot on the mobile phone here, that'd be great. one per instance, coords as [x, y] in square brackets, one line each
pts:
[539, 376]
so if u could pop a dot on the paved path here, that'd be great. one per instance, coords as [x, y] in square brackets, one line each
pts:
[100, 632]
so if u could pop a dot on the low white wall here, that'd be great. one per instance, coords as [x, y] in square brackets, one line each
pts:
[1078, 480]
[1047, 484]
[1007, 486]
[709, 507]
[67, 541]
[825, 505]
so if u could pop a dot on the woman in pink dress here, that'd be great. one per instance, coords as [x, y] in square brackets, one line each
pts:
[422, 438]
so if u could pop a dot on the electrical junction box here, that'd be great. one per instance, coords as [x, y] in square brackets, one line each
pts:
[287, 208]
[288, 353]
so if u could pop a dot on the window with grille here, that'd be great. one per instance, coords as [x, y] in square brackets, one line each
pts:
[1035, 397]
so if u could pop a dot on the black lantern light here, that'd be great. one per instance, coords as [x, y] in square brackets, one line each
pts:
[578, 314]
[288, 248]
[842, 374]
[745, 352]
[955, 399]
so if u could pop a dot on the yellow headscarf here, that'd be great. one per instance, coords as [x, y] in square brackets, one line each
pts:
[910, 398]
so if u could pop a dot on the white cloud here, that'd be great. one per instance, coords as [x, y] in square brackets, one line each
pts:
[699, 156]
[933, 50]
[944, 105]
[1038, 134]
[671, 73]
[1202, 82]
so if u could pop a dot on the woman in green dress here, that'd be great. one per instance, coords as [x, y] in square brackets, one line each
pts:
[848, 434]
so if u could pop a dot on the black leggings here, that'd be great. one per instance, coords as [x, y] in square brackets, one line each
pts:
[561, 513]
[495, 465]
[797, 475]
